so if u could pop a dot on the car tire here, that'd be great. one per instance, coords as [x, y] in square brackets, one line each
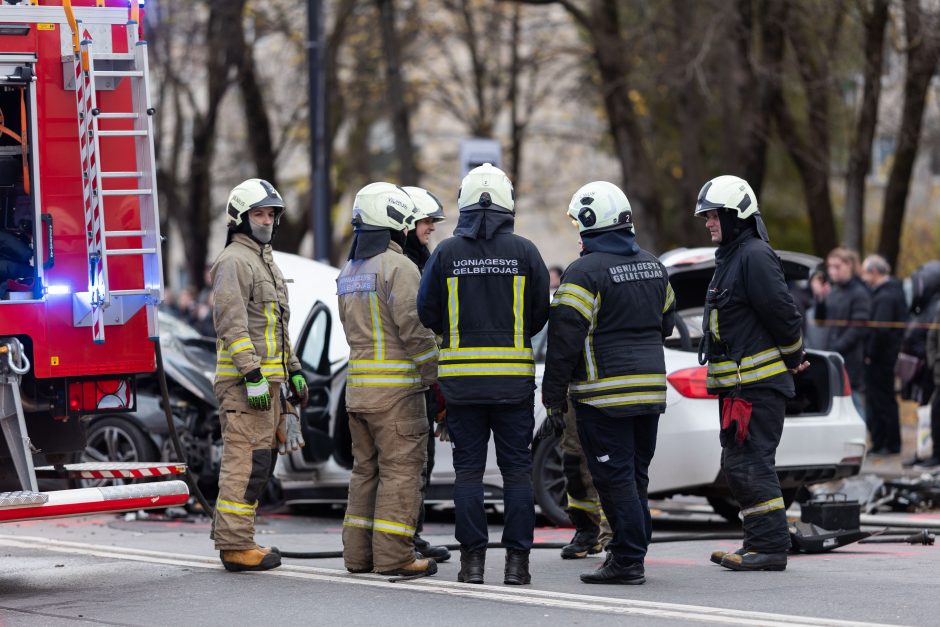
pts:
[728, 508]
[116, 439]
[548, 481]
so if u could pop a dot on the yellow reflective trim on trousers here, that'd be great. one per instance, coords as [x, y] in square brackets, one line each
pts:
[747, 363]
[357, 521]
[453, 311]
[670, 297]
[575, 303]
[629, 398]
[486, 352]
[587, 506]
[426, 356]
[792, 348]
[764, 508]
[608, 383]
[239, 345]
[713, 323]
[746, 377]
[485, 370]
[378, 334]
[269, 340]
[518, 310]
[231, 507]
[387, 526]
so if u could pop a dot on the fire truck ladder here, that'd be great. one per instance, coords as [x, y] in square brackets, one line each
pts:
[101, 305]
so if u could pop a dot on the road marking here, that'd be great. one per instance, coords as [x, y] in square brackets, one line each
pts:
[520, 596]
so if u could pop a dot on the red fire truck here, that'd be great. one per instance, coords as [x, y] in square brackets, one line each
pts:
[80, 262]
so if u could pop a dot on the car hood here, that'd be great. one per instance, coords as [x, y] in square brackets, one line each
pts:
[191, 365]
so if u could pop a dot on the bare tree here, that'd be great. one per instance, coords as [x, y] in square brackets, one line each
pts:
[874, 15]
[922, 30]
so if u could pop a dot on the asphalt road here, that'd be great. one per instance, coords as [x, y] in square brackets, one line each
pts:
[107, 570]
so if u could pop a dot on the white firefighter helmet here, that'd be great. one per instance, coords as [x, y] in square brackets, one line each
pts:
[426, 204]
[600, 206]
[383, 206]
[486, 187]
[727, 192]
[249, 195]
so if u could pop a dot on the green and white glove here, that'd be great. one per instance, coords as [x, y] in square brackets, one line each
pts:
[259, 394]
[299, 386]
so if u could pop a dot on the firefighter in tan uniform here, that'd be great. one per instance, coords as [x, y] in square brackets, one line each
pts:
[393, 360]
[254, 359]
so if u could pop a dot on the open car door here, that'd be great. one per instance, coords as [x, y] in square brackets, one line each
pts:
[313, 351]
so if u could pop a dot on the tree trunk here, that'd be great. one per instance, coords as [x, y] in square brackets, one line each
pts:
[197, 214]
[610, 52]
[515, 147]
[875, 21]
[923, 41]
[407, 168]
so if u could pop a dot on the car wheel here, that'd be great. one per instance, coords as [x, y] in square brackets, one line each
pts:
[116, 439]
[548, 481]
[728, 508]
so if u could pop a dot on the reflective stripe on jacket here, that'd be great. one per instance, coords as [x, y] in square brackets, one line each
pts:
[251, 314]
[609, 318]
[751, 323]
[392, 354]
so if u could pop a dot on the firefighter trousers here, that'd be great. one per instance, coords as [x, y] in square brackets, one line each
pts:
[431, 404]
[389, 451]
[249, 450]
[751, 473]
[584, 505]
[619, 452]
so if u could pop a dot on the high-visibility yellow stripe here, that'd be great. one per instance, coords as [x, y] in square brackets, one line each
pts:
[382, 380]
[388, 526]
[426, 356]
[239, 345]
[269, 339]
[575, 303]
[577, 291]
[485, 369]
[518, 310]
[453, 311]
[230, 507]
[792, 348]
[751, 376]
[374, 365]
[608, 383]
[357, 521]
[587, 506]
[378, 334]
[713, 323]
[589, 361]
[627, 398]
[223, 358]
[764, 508]
[670, 297]
[486, 352]
[748, 362]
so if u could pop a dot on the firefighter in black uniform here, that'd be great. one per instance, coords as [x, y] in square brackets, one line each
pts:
[608, 321]
[485, 292]
[753, 344]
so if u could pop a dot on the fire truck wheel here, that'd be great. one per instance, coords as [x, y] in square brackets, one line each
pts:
[116, 439]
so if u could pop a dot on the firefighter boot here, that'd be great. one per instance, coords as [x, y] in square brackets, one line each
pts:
[755, 561]
[249, 559]
[585, 541]
[436, 553]
[268, 549]
[517, 568]
[417, 568]
[614, 572]
[717, 555]
[471, 565]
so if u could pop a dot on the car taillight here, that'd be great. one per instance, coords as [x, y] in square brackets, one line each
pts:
[101, 395]
[846, 384]
[690, 382]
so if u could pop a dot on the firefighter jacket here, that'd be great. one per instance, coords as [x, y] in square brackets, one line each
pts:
[848, 308]
[391, 355]
[609, 318]
[751, 326]
[485, 292]
[251, 314]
